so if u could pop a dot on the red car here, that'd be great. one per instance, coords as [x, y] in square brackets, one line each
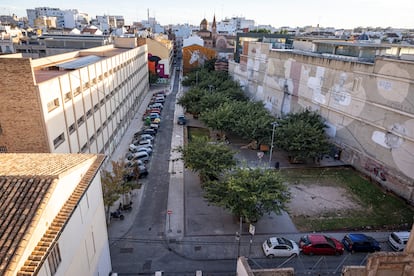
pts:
[318, 244]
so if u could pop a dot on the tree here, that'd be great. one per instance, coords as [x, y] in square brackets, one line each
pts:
[153, 78]
[112, 184]
[249, 193]
[249, 120]
[302, 135]
[208, 159]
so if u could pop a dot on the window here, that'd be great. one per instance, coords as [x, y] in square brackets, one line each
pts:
[92, 138]
[54, 259]
[96, 107]
[81, 120]
[84, 147]
[59, 140]
[99, 130]
[72, 128]
[77, 91]
[89, 113]
[68, 96]
[53, 105]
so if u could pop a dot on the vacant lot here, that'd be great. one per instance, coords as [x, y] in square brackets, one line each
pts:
[340, 199]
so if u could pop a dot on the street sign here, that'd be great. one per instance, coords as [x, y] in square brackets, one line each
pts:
[252, 229]
[169, 212]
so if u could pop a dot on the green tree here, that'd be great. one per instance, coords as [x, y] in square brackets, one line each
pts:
[302, 135]
[249, 120]
[209, 64]
[112, 184]
[249, 193]
[206, 158]
[153, 78]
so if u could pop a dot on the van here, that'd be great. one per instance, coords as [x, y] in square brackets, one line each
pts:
[398, 240]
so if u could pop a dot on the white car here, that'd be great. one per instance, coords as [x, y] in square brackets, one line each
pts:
[398, 240]
[280, 247]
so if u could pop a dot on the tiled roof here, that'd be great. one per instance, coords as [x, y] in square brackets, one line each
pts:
[39, 164]
[25, 184]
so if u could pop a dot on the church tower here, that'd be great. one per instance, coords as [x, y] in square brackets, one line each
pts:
[214, 31]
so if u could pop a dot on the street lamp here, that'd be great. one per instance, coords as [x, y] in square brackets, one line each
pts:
[274, 124]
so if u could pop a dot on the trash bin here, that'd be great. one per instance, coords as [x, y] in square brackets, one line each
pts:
[277, 165]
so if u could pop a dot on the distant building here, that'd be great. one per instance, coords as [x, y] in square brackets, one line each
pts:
[64, 18]
[50, 44]
[53, 218]
[77, 102]
[160, 55]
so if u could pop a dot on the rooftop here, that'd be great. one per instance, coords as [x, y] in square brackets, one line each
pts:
[26, 184]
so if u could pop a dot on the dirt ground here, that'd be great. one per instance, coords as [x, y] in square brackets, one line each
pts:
[315, 200]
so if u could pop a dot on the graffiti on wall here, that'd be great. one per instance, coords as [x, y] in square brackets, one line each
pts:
[376, 169]
[195, 56]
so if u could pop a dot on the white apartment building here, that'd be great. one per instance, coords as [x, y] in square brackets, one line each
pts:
[53, 218]
[64, 18]
[77, 102]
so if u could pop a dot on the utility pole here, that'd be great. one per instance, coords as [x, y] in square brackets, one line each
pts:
[274, 124]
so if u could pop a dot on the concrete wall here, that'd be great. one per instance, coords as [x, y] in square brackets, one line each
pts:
[368, 106]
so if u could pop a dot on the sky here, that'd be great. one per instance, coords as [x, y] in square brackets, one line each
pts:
[292, 13]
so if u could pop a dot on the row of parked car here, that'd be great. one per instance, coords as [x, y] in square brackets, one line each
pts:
[141, 147]
[320, 244]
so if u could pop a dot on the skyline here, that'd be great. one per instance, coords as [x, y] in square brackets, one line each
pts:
[364, 13]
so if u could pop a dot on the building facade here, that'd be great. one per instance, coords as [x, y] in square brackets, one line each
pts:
[53, 218]
[78, 102]
[364, 95]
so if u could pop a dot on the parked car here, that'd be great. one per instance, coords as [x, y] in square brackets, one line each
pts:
[134, 148]
[141, 155]
[360, 243]
[154, 127]
[398, 240]
[181, 120]
[318, 244]
[144, 149]
[146, 136]
[157, 105]
[142, 172]
[151, 131]
[131, 164]
[145, 142]
[280, 247]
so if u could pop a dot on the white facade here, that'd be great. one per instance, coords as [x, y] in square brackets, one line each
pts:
[61, 200]
[193, 40]
[64, 18]
[83, 244]
[96, 102]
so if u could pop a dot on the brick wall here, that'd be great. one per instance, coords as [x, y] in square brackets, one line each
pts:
[21, 120]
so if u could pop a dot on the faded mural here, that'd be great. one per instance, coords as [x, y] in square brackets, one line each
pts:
[371, 111]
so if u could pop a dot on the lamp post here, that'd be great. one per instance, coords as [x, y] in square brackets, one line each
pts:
[274, 124]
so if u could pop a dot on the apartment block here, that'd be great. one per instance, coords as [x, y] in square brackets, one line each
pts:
[77, 102]
[365, 95]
